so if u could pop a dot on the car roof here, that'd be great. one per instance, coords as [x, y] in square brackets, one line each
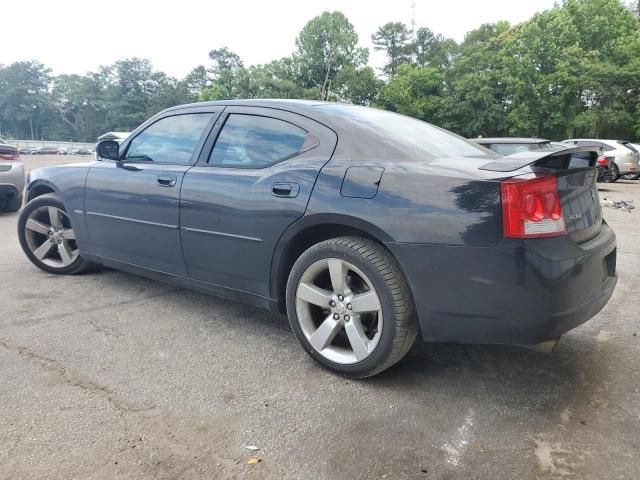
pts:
[359, 136]
[509, 140]
[286, 104]
[602, 140]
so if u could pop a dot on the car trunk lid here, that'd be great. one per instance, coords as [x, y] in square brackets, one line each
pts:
[574, 169]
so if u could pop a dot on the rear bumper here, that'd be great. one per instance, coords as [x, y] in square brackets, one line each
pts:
[518, 292]
[628, 167]
[12, 175]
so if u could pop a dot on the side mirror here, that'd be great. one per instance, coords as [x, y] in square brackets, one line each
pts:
[108, 149]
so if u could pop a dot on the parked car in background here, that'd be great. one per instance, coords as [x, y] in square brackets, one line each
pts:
[45, 151]
[25, 150]
[510, 145]
[361, 224]
[626, 157]
[64, 151]
[12, 178]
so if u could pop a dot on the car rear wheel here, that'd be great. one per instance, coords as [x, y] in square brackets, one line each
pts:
[47, 236]
[616, 173]
[350, 307]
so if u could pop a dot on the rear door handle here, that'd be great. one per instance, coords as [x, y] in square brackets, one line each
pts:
[285, 189]
[167, 180]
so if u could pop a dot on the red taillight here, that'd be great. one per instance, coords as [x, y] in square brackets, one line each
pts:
[10, 156]
[603, 161]
[531, 208]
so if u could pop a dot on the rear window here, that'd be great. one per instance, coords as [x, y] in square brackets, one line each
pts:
[511, 148]
[426, 140]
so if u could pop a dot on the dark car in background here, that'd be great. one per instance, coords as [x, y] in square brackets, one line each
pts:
[510, 145]
[362, 225]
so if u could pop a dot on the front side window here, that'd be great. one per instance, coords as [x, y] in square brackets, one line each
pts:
[170, 140]
[252, 141]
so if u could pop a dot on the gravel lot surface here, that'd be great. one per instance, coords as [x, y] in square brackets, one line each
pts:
[108, 375]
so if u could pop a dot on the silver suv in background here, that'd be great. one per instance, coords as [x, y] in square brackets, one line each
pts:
[11, 178]
[626, 155]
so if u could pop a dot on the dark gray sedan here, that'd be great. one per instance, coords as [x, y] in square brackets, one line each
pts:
[365, 227]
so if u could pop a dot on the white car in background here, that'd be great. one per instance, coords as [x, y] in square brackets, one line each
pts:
[12, 178]
[626, 155]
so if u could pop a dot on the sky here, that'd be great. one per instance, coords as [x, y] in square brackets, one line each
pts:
[73, 36]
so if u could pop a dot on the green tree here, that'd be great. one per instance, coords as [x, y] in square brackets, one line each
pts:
[432, 50]
[226, 71]
[476, 99]
[327, 44]
[415, 91]
[25, 101]
[359, 86]
[394, 39]
[76, 98]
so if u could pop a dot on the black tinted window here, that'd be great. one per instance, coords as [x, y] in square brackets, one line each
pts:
[170, 140]
[424, 139]
[509, 148]
[252, 141]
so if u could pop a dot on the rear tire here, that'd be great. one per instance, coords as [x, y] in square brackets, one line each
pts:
[616, 173]
[47, 237]
[350, 307]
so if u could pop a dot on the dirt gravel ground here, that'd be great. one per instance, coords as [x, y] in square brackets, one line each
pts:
[108, 375]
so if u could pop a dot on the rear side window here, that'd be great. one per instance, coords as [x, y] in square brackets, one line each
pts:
[170, 140]
[252, 141]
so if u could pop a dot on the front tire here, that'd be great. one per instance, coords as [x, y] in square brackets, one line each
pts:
[47, 237]
[350, 307]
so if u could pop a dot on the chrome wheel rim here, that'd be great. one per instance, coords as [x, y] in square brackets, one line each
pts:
[50, 237]
[339, 311]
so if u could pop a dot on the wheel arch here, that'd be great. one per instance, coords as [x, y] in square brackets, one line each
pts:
[38, 188]
[305, 233]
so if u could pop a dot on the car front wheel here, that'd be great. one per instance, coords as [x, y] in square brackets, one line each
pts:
[47, 236]
[350, 307]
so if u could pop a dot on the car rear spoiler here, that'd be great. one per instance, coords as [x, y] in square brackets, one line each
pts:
[518, 160]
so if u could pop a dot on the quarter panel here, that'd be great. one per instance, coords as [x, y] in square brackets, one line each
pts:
[418, 203]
